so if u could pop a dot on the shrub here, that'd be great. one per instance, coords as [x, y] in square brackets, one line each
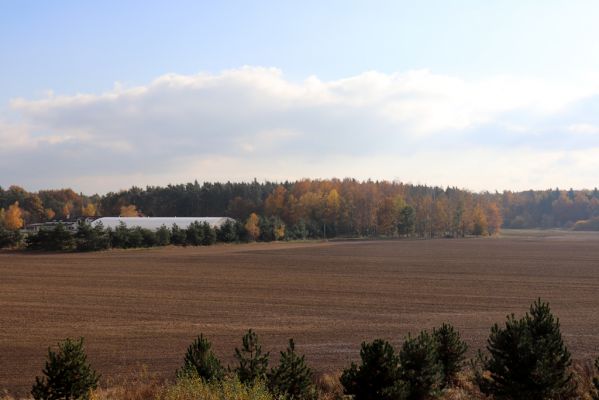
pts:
[119, 238]
[9, 238]
[377, 376]
[292, 378]
[451, 352]
[253, 364]
[67, 374]
[528, 358]
[201, 361]
[420, 367]
[194, 388]
[148, 237]
[135, 238]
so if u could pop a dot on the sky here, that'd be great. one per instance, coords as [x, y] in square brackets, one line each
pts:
[483, 95]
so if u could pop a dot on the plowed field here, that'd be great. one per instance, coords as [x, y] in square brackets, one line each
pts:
[145, 306]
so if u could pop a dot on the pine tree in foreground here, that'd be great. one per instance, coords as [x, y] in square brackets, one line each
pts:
[528, 359]
[595, 393]
[201, 361]
[377, 377]
[67, 374]
[253, 364]
[420, 367]
[292, 378]
[451, 352]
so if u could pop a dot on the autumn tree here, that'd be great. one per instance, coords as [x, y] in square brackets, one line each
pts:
[49, 214]
[479, 222]
[252, 226]
[89, 210]
[13, 217]
[494, 219]
[129, 211]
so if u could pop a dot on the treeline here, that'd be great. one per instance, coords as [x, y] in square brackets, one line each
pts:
[526, 358]
[321, 208]
[94, 238]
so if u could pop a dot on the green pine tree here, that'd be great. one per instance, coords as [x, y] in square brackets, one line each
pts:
[595, 393]
[420, 367]
[292, 378]
[377, 377]
[201, 361]
[528, 358]
[253, 364]
[67, 374]
[451, 352]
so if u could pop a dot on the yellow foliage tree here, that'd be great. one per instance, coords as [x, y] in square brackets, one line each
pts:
[89, 210]
[13, 217]
[50, 214]
[494, 218]
[252, 226]
[279, 231]
[129, 211]
[479, 222]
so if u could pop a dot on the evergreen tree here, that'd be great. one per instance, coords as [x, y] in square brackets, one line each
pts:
[420, 366]
[88, 238]
[56, 239]
[595, 393]
[119, 238]
[209, 234]
[194, 234]
[200, 360]
[178, 236]
[451, 352]
[227, 233]
[163, 236]
[528, 358]
[253, 364]
[67, 374]
[377, 377]
[292, 378]
[406, 221]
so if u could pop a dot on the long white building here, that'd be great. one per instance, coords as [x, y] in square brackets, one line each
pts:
[156, 222]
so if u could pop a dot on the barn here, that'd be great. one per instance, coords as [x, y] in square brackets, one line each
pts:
[154, 223]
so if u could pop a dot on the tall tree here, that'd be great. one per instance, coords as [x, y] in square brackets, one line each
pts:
[13, 217]
[252, 362]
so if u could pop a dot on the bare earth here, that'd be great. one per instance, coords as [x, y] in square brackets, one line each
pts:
[145, 306]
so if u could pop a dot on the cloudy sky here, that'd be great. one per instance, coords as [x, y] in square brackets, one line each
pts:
[481, 95]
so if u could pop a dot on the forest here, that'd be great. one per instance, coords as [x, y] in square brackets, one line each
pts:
[321, 208]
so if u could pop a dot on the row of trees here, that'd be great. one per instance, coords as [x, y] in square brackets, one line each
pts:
[525, 359]
[323, 208]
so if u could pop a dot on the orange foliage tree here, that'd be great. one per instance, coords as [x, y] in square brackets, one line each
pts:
[129, 211]
[252, 226]
[13, 217]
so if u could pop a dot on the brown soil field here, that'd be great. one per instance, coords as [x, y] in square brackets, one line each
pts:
[145, 306]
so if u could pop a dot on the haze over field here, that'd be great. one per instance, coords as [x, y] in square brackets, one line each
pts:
[477, 95]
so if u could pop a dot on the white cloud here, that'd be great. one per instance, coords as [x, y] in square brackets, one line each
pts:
[501, 132]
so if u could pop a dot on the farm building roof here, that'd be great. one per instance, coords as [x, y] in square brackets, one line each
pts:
[157, 222]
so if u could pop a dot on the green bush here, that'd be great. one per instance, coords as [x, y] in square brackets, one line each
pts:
[67, 374]
[451, 352]
[178, 235]
[88, 238]
[163, 236]
[253, 364]
[9, 238]
[527, 358]
[209, 234]
[194, 234]
[201, 361]
[56, 239]
[227, 233]
[377, 377]
[420, 369]
[292, 378]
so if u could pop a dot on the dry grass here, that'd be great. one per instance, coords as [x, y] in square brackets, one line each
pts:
[146, 306]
